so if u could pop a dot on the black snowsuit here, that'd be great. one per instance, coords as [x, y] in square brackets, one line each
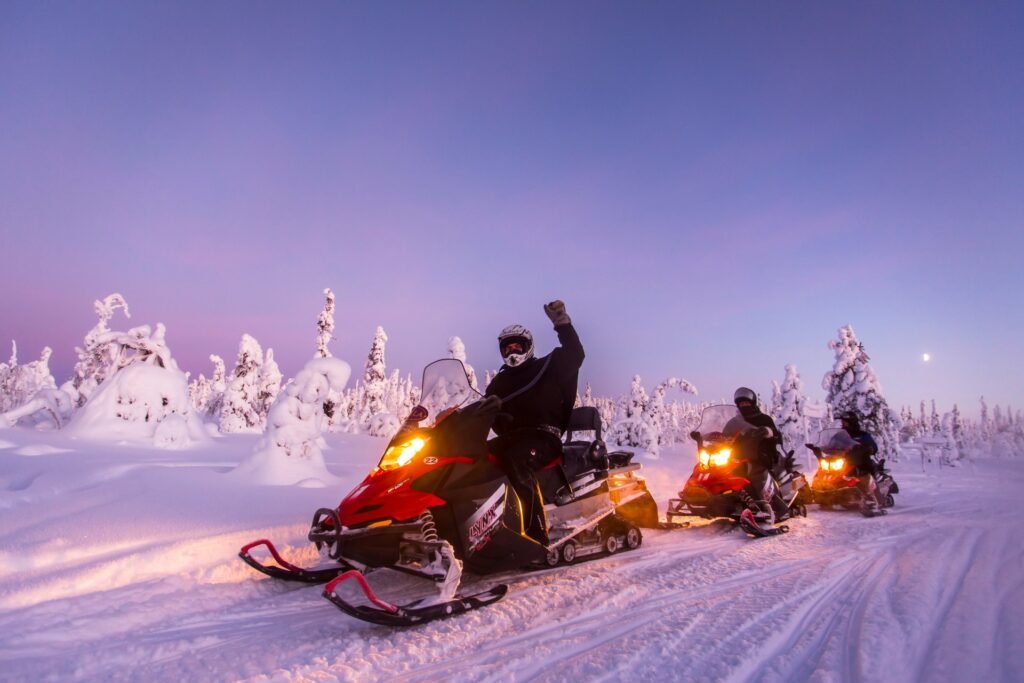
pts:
[530, 438]
[861, 456]
[763, 459]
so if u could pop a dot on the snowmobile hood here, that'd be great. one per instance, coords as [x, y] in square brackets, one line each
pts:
[389, 495]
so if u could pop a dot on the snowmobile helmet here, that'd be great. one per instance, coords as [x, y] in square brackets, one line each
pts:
[850, 421]
[744, 394]
[516, 345]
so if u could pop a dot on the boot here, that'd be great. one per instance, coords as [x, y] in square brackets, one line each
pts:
[868, 506]
[762, 511]
[780, 508]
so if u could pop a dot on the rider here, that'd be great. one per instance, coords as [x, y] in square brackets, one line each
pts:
[761, 461]
[862, 457]
[537, 396]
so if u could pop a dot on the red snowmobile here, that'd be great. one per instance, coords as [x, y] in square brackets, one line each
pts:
[437, 502]
[720, 475]
[839, 481]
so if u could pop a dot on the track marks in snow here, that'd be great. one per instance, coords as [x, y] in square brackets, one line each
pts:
[840, 598]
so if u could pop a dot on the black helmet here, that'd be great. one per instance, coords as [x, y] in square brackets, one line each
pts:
[852, 418]
[744, 394]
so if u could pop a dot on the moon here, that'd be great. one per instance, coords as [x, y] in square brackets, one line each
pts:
[926, 357]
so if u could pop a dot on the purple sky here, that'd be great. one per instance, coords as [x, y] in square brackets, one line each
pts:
[712, 188]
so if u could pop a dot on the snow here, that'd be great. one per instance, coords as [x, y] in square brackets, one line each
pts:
[119, 563]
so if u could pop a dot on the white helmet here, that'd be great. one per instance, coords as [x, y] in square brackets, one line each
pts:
[515, 343]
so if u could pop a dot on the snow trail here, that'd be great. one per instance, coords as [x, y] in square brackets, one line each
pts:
[122, 566]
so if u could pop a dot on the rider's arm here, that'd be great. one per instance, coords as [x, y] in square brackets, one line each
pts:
[571, 350]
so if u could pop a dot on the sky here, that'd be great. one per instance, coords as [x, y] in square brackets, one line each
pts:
[712, 188]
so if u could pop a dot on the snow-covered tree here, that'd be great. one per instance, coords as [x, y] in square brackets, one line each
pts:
[207, 395]
[659, 416]
[375, 388]
[957, 429]
[950, 452]
[986, 424]
[775, 404]
[269, 383]
[325, 326]
[291, 449]
[852, 385]
[19, 384]
[909, 429]
[29, 394]
[143, 396]
[242, 406]
[789, 415]
[457, 350]
[99, 354]
[935, 426]
[630, 429]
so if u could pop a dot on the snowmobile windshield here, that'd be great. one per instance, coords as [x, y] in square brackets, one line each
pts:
[721, 423]
[445, 386]
[835, 441]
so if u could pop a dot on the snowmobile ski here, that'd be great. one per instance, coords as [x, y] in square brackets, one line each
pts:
[418, 612]
[286, 571]
[749, 524]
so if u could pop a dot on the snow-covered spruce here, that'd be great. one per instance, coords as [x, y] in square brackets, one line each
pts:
[457, 350]
[374, 417]
[208, 394]
[291, 449]
[325, 326]
[787, 410]
[852, 385]
[245, 403]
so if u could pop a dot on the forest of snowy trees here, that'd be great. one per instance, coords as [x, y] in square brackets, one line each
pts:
[126, 384]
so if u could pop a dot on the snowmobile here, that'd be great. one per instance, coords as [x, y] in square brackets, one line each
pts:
[839, 482]
[715, 488]
[437, 502]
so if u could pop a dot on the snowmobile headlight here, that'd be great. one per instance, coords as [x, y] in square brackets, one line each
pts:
[400, 456]
[704, 458]
[721, 457]
[837, 464]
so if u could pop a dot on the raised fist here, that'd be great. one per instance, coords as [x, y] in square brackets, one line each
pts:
[556, 312]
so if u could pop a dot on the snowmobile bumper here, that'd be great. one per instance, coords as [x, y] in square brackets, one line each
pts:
[384, 613]
[285, 570]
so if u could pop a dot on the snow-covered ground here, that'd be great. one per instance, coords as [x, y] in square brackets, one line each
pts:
[118, 563]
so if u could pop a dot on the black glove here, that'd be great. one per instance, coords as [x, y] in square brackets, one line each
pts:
[556, 312]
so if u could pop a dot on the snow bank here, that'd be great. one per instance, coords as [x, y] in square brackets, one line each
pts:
[132, 405]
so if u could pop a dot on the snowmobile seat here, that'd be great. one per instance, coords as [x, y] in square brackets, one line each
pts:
[583, 462]
[582, 456]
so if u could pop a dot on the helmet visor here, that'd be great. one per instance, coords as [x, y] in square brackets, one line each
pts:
[517, 344]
